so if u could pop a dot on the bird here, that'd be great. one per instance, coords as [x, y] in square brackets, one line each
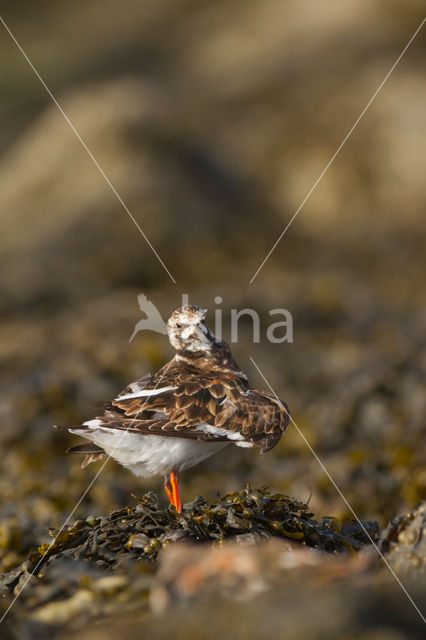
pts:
[153, 320]
[194, 406]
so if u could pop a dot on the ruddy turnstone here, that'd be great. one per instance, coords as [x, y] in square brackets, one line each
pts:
[191, 408]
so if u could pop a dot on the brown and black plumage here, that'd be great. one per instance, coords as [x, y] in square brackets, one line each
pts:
[192, 407]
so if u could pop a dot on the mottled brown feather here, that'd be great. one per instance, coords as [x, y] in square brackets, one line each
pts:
[203, 394]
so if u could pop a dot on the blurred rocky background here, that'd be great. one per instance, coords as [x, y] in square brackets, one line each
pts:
[213, 120]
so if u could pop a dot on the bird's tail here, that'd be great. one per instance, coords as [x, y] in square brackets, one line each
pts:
[92, 453]
[90, 450]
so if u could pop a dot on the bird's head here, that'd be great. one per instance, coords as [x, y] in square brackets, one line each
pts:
[188, 330]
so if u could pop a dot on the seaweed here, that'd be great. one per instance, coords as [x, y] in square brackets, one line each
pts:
[139, 532]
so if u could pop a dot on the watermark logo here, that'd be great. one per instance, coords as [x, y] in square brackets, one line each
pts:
[153, 320]
[277, 332]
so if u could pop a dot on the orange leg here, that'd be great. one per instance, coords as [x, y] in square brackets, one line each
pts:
[169, 490]
[174, 478]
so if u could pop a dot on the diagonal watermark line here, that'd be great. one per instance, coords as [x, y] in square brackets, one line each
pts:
[83, 495]
[339, 148]
[344, 500]
[92, 157]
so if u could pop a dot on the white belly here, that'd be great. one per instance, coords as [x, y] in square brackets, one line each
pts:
[149, 455]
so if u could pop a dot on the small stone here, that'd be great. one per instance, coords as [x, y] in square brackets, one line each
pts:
[138, 541]
[110, 584]
[409, 536]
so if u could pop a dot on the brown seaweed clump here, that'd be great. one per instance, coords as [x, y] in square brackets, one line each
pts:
[105, 568]
[139, 532]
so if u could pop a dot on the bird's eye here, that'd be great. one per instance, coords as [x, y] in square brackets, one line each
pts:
[178, 325]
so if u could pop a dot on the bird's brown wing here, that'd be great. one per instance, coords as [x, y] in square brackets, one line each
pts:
[261, 418]
[186, 402]
[223, 403]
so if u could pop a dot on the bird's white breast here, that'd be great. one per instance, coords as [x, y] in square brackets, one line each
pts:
[150, 455]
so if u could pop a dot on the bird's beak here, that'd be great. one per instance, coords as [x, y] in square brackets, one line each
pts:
[201, 335]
